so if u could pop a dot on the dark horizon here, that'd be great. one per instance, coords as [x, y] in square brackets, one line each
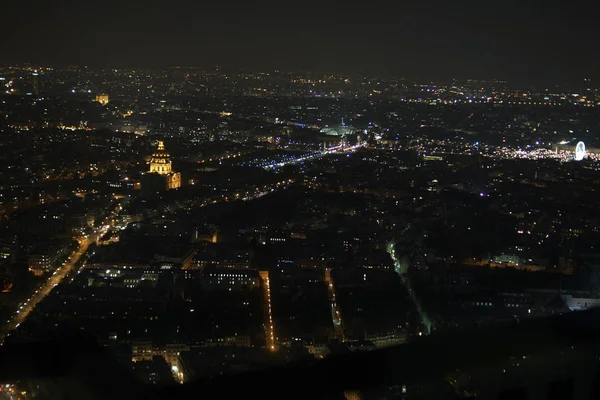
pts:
[429, 40]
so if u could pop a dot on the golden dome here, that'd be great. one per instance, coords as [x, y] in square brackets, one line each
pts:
[160, 161]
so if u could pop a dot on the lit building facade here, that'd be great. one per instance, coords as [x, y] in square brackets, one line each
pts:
[47, 258]
[161, 170]
[230, 279]
[102, 99]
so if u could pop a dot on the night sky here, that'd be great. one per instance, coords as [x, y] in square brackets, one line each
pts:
[514, 40]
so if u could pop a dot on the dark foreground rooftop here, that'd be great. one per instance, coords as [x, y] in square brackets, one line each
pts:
[77, 367]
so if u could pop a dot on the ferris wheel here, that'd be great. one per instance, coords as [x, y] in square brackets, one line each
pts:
[579, 151]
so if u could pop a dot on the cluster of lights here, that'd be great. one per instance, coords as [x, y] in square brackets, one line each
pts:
[221, 158]
[270, 328]
[537, 153]
[335, 312]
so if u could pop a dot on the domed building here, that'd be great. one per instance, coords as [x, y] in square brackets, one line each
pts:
[161, 174]
[160, 162]
[340, 130]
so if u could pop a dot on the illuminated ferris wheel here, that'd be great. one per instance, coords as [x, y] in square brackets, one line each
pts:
[579, 151]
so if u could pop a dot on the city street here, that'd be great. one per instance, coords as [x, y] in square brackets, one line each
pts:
[319, 154]
[401, 270]
[39, 294]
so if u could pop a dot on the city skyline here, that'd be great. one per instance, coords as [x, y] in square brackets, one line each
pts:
[327, 195]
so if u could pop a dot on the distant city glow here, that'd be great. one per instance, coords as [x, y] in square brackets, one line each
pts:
[314, 208]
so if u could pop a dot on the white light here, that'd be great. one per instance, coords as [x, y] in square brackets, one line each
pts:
[580, 151]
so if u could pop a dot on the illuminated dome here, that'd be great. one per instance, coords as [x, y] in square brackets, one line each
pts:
[160, 161]
[161, 175]
[579, 151]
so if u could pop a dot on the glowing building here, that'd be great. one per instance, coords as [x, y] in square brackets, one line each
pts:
[338, 130]
[102, 99]
[161, 175]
